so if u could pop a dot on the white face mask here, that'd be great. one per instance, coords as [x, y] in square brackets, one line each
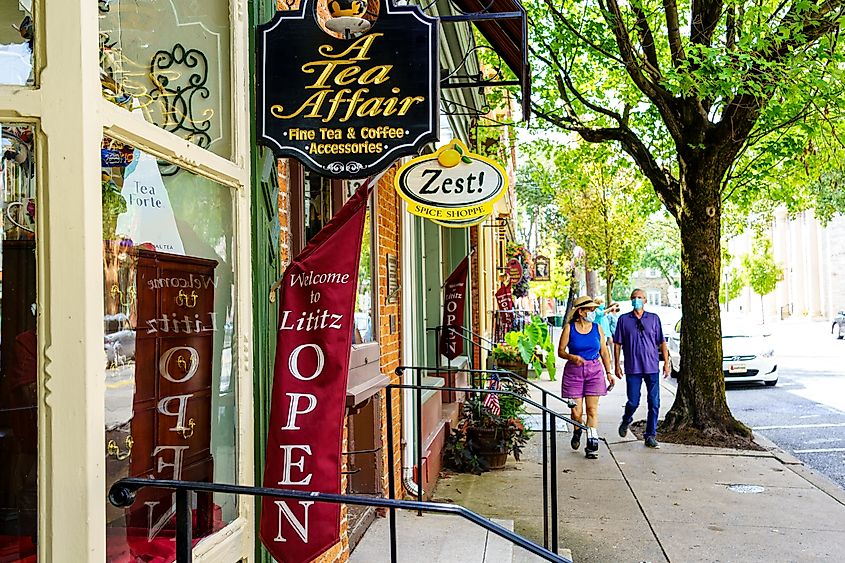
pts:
[591, 316]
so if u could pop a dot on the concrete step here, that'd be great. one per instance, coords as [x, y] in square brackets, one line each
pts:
[522, 556]
[433, 538]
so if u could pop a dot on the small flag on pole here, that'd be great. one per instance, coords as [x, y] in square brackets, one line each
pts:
[491, 400]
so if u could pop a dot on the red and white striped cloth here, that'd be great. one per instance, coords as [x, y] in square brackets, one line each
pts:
[491, 400]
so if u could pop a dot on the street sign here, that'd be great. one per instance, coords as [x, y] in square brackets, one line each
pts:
[348, 108]
[452, 184]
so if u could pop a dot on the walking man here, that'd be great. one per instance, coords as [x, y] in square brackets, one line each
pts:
[640, 336]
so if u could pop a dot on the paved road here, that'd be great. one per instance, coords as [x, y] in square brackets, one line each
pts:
[805, 413]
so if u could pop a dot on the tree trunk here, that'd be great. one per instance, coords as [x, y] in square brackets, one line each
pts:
[573, 290]
[700, 403]
[592, 281]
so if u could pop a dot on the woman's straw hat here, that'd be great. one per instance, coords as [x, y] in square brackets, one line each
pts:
[583, 302]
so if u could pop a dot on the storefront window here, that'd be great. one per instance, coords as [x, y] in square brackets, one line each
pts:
[169, 337]
[169, 63]
[318, 203]
[365, 321]
[16, 35]
[18, 347]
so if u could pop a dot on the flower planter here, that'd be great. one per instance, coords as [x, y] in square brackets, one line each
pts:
[490, 447]
[519, 368]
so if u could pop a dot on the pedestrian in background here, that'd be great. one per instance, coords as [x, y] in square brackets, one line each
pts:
[640, 336]
[612, 319]
[584, 348]
[602, 319]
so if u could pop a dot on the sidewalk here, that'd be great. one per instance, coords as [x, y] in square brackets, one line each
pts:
[678, 503]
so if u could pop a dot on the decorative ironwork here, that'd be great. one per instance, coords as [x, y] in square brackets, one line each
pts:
[477, 77]
[484, 9]
[103, 6]
[179, 94]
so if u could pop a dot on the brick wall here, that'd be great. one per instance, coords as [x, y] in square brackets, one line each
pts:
[389, 233]
[283, 168]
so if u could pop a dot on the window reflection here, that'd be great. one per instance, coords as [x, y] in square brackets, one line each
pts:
[364, 309]
[169, 299]
[174, 73]
[16, 34]
[18, 348]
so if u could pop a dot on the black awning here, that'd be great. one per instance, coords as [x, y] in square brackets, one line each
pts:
[507, 35]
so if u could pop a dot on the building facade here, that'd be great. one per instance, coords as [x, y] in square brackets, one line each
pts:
[139, 321]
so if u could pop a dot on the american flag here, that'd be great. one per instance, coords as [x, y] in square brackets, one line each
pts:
[491, 400]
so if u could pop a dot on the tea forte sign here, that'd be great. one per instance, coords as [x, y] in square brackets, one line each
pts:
[348, 108]
[453, 186]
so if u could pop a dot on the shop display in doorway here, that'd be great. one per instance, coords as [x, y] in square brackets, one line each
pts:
[453, 186]
[329, 91]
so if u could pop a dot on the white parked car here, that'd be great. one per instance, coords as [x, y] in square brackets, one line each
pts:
[747, 351]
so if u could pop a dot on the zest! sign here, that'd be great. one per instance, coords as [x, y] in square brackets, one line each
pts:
[453, 187]
[347, 105]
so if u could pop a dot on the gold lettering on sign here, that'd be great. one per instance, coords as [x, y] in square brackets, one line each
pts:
[342, 69]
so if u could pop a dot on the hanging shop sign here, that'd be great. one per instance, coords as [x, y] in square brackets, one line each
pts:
[542, 269]
[514, 270]
[453, 184]
[308, 403]
[454, 297]
[347, 105]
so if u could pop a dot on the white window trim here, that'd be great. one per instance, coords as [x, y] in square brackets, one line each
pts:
[71, 117]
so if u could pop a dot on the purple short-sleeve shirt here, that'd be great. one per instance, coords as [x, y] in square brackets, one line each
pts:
[640, 340]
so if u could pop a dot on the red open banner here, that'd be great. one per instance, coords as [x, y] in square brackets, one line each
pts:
[455, 291]
[309, 390]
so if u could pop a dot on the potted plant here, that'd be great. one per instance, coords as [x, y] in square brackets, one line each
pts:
[533, 346]
[507, 356]
[482, 439]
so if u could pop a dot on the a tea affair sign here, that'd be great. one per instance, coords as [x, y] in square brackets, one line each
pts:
[348, 108]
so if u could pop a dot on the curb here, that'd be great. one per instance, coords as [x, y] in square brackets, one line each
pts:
[782, 456]
[794, 464]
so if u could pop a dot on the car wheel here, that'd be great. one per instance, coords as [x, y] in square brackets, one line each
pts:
[771, 383]
[837, 331]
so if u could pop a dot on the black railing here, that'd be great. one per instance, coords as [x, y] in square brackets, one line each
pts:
[462, 332]
[549, 445]
[122, 494]
[507, 320]
[513, 375]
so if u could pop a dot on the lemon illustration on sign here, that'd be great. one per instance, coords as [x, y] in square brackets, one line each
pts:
[452, 156]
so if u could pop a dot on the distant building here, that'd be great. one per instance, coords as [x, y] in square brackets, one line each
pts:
[813, 261]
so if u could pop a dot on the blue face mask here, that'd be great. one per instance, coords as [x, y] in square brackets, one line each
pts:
[637, 303]
[591, 316]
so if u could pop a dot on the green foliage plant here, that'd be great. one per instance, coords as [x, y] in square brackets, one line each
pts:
[535, 347]
[464, 446]
[715, 102]
[761, 270]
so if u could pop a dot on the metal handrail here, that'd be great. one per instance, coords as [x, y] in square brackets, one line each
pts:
[549, 446]
[568, 402]
[122, 494]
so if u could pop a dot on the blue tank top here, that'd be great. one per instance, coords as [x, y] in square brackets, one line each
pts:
[585, 345]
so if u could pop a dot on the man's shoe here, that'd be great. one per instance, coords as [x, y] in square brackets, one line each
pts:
[651, 442]
[592, 449]
[623, 429]
[576, 438]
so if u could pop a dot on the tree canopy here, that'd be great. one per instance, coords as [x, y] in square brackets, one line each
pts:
[714, 100]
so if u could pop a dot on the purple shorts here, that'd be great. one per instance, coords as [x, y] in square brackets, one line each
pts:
[584, 381]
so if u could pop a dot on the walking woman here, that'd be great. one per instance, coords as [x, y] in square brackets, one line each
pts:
[584, 347]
